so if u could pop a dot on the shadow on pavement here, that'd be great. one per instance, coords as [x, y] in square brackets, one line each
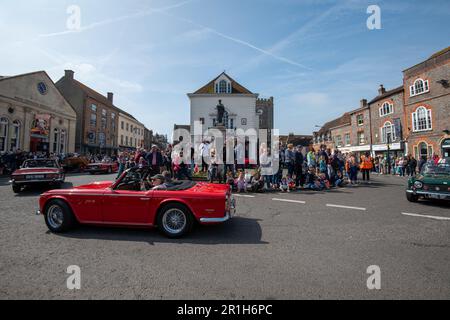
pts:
[239, 230]
[33, 191]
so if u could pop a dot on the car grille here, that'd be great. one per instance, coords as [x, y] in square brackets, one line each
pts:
[437, 187]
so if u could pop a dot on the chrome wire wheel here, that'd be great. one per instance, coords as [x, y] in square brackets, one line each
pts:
[55, 216]
[174, 221]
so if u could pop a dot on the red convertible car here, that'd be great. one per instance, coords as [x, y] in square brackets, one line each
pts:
[173, 210]
[41, 171]
[102, 167]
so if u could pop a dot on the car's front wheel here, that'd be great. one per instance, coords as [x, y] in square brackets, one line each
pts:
[16, 188]
[58, 216]
[175, 220]
[412, 197]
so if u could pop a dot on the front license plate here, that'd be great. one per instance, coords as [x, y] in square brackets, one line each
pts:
[436, 196]
[35, 177]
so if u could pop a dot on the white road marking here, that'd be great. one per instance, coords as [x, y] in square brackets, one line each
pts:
[287, 200]
[345, 207]
[425, 216]
[243, 196]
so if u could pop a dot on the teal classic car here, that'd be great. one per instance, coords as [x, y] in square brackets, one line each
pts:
[433, 182]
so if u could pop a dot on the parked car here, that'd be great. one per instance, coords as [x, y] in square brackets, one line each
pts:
[102, 167]
[433, 182]
[173, 210]
[41, 171]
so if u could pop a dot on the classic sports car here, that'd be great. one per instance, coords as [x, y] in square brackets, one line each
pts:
[173, 210]
[433, 182]
[41, 171]
[102, 167]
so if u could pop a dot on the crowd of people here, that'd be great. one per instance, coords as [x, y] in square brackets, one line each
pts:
[298, 167]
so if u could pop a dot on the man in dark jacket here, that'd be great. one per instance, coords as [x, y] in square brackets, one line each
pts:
[298, 169]
[154, 159]
[412, 166]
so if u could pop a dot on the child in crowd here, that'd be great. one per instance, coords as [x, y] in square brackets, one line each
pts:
[257, 182]
[311, 179]
[291, 184]
[338, 180]
[324, 183]
[284, 186]
[323, 167]
[230, 181]
[240, 182]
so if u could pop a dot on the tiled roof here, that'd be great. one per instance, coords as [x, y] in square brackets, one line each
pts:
[236, 87]
[345, 119]
[387, 94]
[440, 52]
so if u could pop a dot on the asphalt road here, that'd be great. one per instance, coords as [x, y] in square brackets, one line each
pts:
[308, 247]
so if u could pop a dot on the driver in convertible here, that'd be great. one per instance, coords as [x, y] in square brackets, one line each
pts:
[157, 182]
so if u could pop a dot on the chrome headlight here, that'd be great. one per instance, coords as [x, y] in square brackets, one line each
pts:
[418, 185]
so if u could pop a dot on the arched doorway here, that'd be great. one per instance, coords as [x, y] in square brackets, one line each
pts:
[445, 146]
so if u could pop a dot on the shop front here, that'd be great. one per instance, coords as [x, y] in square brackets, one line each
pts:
[395, 150]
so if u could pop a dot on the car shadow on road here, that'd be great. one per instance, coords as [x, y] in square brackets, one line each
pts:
[238, 230]
[33, 191]
[441, 204]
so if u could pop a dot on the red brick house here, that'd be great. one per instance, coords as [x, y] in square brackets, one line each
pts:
[427, 106]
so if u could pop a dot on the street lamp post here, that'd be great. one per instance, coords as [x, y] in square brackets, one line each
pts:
[389, 152]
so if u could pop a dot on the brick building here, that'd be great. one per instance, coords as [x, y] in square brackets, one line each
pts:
[97, 117]
[427, 106]
[360, 131]
[387, 122]
[331, 132]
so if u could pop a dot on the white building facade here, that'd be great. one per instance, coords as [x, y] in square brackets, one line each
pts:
[241, 108]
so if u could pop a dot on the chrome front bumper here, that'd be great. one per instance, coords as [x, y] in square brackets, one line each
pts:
[35, 181]
[430, 194]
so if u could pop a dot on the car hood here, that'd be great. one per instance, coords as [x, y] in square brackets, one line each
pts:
[435, 179]
[35, 170]
[95, 185]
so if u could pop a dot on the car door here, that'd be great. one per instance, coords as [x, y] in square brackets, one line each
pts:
[126, 207]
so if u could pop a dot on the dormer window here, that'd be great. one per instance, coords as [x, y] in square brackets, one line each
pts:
[223, 86]
[419, 86]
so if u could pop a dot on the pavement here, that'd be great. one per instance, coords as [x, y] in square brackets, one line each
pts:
[302, 245]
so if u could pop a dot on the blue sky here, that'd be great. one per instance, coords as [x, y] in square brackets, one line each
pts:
[317, 58]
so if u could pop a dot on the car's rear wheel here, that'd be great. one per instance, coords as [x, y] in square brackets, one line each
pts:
[175, 220]
[58, 216]
[412, 197]
[16, 188]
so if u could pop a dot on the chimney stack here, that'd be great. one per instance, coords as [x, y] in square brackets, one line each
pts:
[69, 74]
[382, 90]
[110, 96]
[363, 103]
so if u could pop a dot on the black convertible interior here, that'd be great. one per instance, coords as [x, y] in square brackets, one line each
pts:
[133, 178]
